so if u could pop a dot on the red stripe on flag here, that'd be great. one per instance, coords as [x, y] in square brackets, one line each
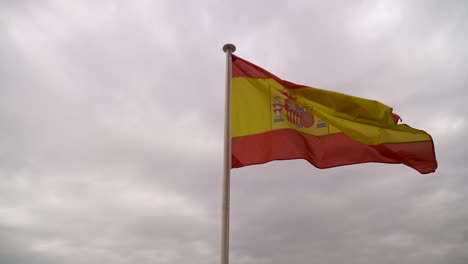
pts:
[243, 68]
[328, 151]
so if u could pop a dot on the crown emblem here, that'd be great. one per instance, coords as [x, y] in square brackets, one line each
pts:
[292, 110]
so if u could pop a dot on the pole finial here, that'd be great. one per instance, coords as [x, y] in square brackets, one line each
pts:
[229, 47]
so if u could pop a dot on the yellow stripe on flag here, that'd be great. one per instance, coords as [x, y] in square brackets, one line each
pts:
[258, 106]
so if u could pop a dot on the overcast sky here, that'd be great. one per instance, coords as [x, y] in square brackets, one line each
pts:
[111, 131]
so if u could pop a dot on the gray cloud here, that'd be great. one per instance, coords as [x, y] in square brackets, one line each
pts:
[111, 132]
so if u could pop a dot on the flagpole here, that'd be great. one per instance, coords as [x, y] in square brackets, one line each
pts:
[228, 49]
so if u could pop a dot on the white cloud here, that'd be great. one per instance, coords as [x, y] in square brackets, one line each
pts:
[401, 239]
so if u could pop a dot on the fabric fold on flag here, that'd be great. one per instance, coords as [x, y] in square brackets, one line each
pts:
[273, 119]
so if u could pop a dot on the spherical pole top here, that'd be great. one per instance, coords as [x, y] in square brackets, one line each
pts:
[229, 47]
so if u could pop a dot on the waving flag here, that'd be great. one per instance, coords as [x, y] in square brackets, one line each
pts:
[273, 119]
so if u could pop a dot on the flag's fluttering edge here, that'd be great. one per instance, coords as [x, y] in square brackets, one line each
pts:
[273, 119]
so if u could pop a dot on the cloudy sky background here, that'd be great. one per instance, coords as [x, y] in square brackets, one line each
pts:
[111, 126]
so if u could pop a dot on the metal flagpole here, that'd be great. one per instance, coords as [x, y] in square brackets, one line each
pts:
[228, 49]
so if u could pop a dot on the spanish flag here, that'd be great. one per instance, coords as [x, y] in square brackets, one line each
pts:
[273, 119]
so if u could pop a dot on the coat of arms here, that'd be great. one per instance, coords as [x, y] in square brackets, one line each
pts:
[290, 108]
